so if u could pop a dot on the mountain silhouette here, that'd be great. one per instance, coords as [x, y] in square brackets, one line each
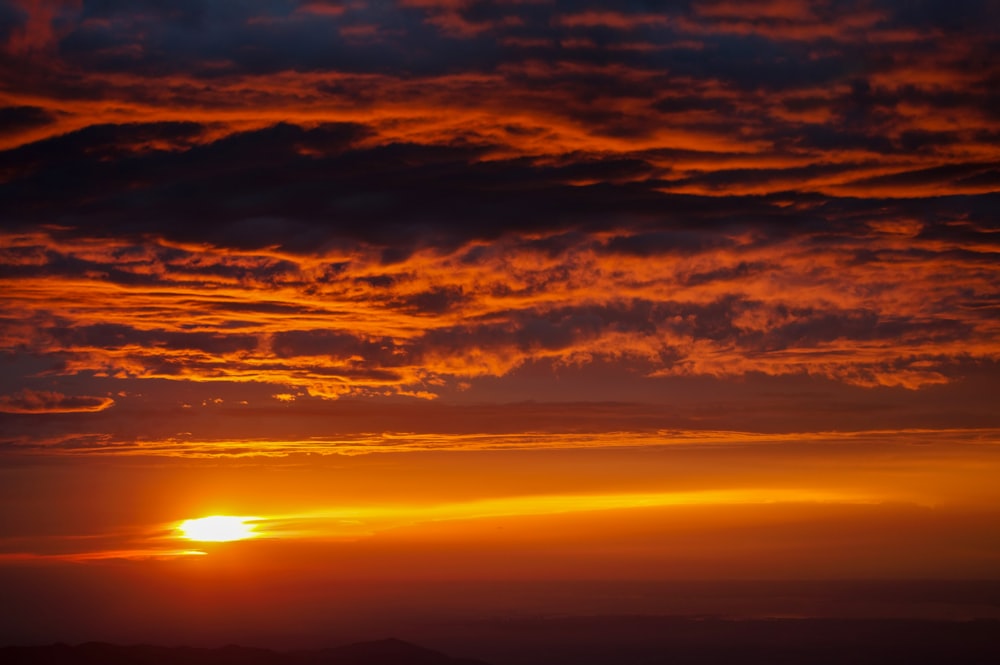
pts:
[602, 640]
[380, 652]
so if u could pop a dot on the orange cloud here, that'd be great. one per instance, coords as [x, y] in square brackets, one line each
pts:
[247, 447]
[730, 307]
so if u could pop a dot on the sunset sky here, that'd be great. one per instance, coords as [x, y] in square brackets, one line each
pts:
[462, 292]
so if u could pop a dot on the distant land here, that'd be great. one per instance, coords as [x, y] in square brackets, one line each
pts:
[381, 652]
[622, 640]
[651, 640]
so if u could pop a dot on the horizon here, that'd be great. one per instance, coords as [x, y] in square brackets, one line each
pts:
[513, 613]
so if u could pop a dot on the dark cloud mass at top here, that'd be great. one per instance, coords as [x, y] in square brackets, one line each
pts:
[368, 198]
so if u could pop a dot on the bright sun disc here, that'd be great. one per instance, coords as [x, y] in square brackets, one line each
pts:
[218, 529]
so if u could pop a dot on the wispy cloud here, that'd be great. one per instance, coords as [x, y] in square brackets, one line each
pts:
[404, 442]
[31, 401]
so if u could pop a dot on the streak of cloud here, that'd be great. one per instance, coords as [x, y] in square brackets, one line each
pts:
[42, 402]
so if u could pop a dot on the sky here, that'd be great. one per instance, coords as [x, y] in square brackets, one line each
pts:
[451, 292]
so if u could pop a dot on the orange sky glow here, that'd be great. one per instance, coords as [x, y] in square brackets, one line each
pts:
[483, 292]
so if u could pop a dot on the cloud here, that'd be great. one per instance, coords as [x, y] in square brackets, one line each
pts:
[765, 288]
[41, 402]
[413, 199]
[701, 439]
[14, 119]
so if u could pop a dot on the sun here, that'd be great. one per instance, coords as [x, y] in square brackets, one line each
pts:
[218, 529]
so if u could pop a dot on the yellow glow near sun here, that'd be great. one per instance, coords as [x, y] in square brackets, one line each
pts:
[218, 529]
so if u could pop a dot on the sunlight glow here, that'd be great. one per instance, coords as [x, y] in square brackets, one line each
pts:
[218, 529]
[355, 522]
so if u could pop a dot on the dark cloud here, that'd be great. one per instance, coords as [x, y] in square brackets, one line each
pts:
[377, 352]
[42, 402]
[55, 164]
[271, 36]
[15, 119]
[974, 16]
[740, 271]
[107, 335]
[955, 173]
[434, 301]
[814, 328]
[258, 189]
[12, 18]
[266, 37]
[666, 242]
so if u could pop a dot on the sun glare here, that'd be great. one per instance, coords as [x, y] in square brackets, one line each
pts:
[218, 529]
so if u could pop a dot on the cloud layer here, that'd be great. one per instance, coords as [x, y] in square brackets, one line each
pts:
[408, 199]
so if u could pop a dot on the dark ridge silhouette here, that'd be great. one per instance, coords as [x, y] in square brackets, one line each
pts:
[618, 640]
[381, 652]
[652, 640]
[384, 652]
